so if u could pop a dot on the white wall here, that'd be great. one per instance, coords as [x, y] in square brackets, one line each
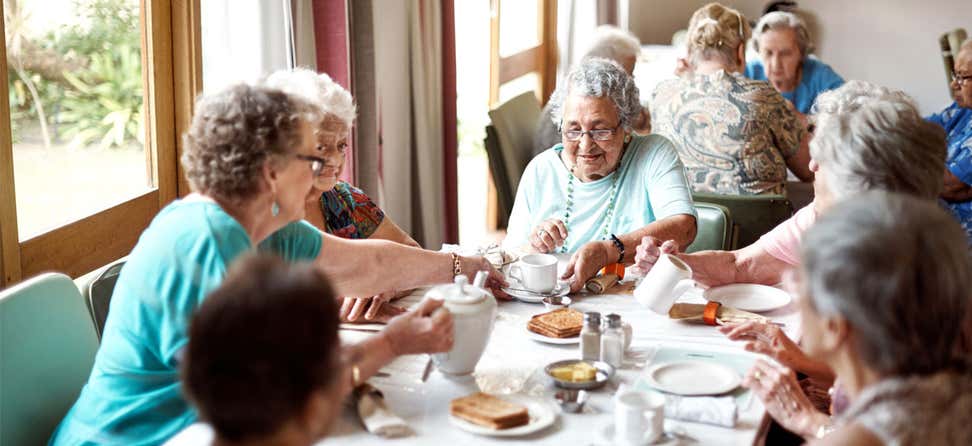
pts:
[889, 42]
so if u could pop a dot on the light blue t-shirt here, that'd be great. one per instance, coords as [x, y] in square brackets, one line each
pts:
[817, 78]
[651, 186]
[133, 396]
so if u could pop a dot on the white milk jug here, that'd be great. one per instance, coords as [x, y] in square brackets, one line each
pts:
[473, 311]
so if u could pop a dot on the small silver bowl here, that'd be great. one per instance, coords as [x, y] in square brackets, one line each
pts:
[571, 400]
[604, 372]
[556, 302]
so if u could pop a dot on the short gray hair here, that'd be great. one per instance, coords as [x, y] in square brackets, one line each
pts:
[870, 137]
[897, 268]
[318, 89]
[598, 78]
[234, 132]
[611, 42]
[784, 20]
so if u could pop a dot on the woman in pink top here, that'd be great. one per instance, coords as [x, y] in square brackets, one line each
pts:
[867, 138]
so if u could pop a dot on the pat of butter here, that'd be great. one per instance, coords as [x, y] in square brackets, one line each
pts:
[576, 372]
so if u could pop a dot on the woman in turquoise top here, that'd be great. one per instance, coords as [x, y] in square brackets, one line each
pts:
[334, 206]
[250, 157]
[784, 47]
[600, 191]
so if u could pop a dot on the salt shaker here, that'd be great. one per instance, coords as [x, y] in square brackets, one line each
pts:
[612, 341]
[590, 335]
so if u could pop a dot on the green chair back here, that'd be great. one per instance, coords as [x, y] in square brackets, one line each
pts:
[98, 291]
[754, 215]
[47, 348]
[715, 228]
[514, 123]
[505, 194]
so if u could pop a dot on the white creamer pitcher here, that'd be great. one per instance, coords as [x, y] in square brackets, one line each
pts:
[473, 311]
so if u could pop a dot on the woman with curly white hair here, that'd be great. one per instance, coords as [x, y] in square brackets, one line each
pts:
[603, 188]
[334, 206]
[250, 158]
[783, 42]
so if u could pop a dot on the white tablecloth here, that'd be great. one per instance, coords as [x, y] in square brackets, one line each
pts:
[513, 363]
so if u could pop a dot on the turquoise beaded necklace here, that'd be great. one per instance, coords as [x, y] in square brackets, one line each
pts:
[605, 227]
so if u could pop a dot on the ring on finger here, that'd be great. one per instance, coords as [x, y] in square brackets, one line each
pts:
[757, 375]
[541, 232]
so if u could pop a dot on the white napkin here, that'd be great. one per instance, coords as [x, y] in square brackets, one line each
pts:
[376, 416]
[719, 411]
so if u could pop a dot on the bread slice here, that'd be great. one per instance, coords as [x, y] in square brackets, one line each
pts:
[487, 410]
[561, 323]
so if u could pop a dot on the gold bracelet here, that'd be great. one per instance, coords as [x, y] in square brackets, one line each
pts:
[355, 376]
[456, 266]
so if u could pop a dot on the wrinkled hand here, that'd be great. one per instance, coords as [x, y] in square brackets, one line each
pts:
[548, 235]
[586, 262]
[770, 340]
[422, 330]
[495, 281]
[778, 389]
[650, 249]
[369, 309]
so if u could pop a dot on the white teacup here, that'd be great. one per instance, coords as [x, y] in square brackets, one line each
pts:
[536, 272]
[639, 417]
[667, 280]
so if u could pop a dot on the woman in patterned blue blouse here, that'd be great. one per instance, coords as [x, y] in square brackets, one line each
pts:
[334, 206]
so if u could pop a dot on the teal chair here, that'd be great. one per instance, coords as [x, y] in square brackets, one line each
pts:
[715, 228]
[47, 348]
[97, 293]
[509, 145]
[754, 215]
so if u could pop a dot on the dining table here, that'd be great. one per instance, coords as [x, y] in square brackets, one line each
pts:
[513, 363]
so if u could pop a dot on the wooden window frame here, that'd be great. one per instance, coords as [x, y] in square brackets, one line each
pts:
[172, 71]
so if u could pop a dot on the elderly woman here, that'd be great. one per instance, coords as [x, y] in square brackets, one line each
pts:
[602, 189]
[251, 158]
[957, 122]
[334, 206]
[867, 138]
[882, 300]
[611, 43]
[735, 135]
[784, 47]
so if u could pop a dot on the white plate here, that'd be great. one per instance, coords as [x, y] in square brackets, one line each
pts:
[542, 414]
[563, 288]
[693, 378]
[748, 297]
[548, 340]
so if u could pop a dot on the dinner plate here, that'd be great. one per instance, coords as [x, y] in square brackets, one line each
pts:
[548, 340]
[562, 289]
[748, 297]
[692, 378]
[542, 415]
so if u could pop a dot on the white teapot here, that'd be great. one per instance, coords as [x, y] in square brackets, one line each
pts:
[473, 311]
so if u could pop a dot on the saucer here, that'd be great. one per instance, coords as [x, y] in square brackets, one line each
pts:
[607, 434]
[517, 291]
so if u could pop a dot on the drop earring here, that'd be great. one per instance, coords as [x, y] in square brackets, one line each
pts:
[275, 209]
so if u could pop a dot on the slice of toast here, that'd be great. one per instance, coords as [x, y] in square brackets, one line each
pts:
[487, 410]
[552, 333]
[562, 323]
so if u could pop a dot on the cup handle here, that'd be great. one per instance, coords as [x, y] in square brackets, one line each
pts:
[650, 436]
[516, 273]
[681, 288]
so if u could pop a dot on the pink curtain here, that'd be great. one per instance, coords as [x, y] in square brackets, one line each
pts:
[333, 56]
[450, 135]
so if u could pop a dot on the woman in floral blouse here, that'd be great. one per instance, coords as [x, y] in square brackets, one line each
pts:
[735, 136]
[334, 206]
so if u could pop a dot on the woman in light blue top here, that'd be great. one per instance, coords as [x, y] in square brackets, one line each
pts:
[600, 191]
[784, 47]
[251, 158]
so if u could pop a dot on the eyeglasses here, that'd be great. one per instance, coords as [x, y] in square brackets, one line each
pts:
[596, 134]
[316, 163]
[961, 79]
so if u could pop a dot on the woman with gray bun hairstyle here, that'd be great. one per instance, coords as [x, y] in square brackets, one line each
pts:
[883, 294]
[603, 188]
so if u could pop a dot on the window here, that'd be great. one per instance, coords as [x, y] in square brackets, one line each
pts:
[97, 91]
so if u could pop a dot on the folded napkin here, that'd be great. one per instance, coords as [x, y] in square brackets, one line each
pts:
[375, 415]
[719, 411]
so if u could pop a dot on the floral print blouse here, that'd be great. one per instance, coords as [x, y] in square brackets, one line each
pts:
[349, 213]
[733, 134]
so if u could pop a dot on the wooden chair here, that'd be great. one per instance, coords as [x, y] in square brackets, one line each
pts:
[47, 349]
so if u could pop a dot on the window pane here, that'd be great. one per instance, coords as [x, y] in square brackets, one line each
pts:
[76, 108]
[513, 88]
[518, 26]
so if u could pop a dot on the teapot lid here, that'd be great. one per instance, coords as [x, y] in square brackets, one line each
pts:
[460, 292]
